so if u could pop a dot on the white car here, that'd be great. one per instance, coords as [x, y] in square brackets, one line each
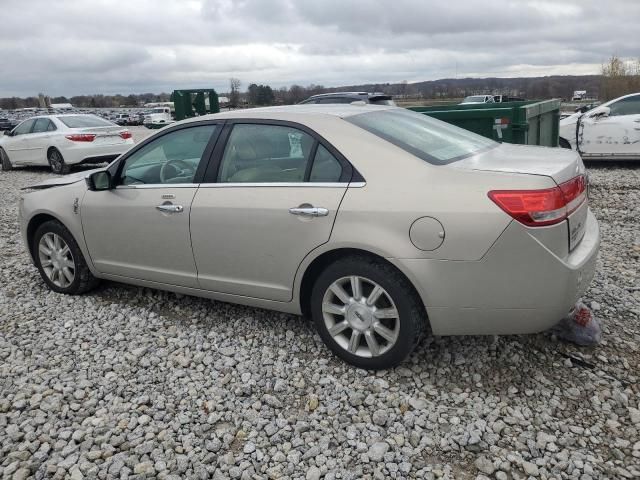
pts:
[63, 140]
[477, 99]
[610, 131]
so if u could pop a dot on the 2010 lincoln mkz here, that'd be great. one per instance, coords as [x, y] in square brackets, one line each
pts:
[379, 223]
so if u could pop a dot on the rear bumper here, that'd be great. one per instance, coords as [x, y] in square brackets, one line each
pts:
[88, 153]
[519, 286]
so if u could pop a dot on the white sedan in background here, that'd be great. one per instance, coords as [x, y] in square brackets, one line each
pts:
[610, 131]
[63, 140]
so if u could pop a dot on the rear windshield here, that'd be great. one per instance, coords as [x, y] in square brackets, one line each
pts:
[83, 121]
[431, 140]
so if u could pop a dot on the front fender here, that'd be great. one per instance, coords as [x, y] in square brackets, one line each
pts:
[63, 204]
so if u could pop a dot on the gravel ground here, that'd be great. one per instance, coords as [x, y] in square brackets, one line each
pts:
[133, 383]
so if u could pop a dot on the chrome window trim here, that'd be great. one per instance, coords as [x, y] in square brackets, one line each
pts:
[145, 186]
[283, 184]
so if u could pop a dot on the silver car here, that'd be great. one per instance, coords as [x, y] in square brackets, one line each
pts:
[379, 223]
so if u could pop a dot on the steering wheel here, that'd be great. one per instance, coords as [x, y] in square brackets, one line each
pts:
[174, 168]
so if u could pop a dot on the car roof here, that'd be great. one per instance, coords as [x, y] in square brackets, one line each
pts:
[358, 94]
[295, 112]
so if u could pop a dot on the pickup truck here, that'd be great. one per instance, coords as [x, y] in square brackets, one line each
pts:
[610, 131]
[158, 117]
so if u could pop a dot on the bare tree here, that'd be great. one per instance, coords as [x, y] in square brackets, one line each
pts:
[619, 77]
[234, 92]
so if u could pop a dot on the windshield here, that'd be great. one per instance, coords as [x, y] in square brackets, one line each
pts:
[157, 110]
[431, 140]
[83, 121]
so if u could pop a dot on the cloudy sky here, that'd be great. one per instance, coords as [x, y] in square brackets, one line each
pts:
[67, 47]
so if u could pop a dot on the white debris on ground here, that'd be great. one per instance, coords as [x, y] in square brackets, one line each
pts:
[134, 383]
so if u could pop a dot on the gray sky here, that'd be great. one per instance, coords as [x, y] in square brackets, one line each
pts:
[67, 47]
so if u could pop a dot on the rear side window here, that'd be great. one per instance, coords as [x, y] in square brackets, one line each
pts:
[265, 154]
[42, 125]
[339, 100]
[326, 167]
[84, 121]
[431, 140]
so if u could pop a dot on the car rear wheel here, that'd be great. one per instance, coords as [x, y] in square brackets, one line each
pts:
[60, 261]
[367, 312]
[5, 163]
[56, 161]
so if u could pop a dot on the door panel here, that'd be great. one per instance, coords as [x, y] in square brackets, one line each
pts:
[140, 229]
[39, 140]
[614, 135]
[245, 241]
[18, 145]
[127, 235]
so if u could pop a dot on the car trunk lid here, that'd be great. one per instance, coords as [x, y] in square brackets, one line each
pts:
[110, 135]
[558, 163]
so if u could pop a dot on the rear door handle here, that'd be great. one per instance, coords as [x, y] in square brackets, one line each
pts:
[309, 211]
[170, 208]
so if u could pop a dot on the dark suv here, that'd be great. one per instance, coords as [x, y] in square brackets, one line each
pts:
[349, 97]
[6, 124]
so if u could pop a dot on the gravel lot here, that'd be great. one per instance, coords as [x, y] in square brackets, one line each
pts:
[133, 383]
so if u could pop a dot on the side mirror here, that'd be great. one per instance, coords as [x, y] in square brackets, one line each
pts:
[8, 133]
[98, 181]
[600, 112]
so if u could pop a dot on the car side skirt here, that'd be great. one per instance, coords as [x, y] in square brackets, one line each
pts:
[285, 307]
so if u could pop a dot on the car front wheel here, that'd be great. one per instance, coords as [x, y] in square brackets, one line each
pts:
[367, 312]
[60, 261]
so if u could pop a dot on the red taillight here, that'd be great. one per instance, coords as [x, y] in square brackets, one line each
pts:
[81, 137]
[537, 208]
[126, 134]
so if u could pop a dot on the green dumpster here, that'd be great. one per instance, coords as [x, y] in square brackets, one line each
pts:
[195, 102]
[526, 123]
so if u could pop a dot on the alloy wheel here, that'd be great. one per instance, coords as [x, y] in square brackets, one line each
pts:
[361, 316]
[56, 260]
[56, 161]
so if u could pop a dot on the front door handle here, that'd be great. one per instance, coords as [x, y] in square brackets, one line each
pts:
[309, 211]
[170, 208]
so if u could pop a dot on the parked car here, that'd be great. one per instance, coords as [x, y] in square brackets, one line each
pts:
[610, 131]
[5, 124]
[477, 99]
[378, 222]
[350, 97]
[63, 140]
[121, 119]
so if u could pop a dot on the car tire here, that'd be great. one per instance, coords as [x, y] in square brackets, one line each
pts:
[348, 321]
[5, 163]
[56, 162]
[54, 250]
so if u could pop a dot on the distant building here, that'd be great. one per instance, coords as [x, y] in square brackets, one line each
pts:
[61, 106]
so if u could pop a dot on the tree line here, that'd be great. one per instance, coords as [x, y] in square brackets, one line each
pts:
[618, 77]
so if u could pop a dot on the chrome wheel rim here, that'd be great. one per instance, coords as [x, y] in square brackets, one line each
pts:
[361, 316]
[56, 260]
